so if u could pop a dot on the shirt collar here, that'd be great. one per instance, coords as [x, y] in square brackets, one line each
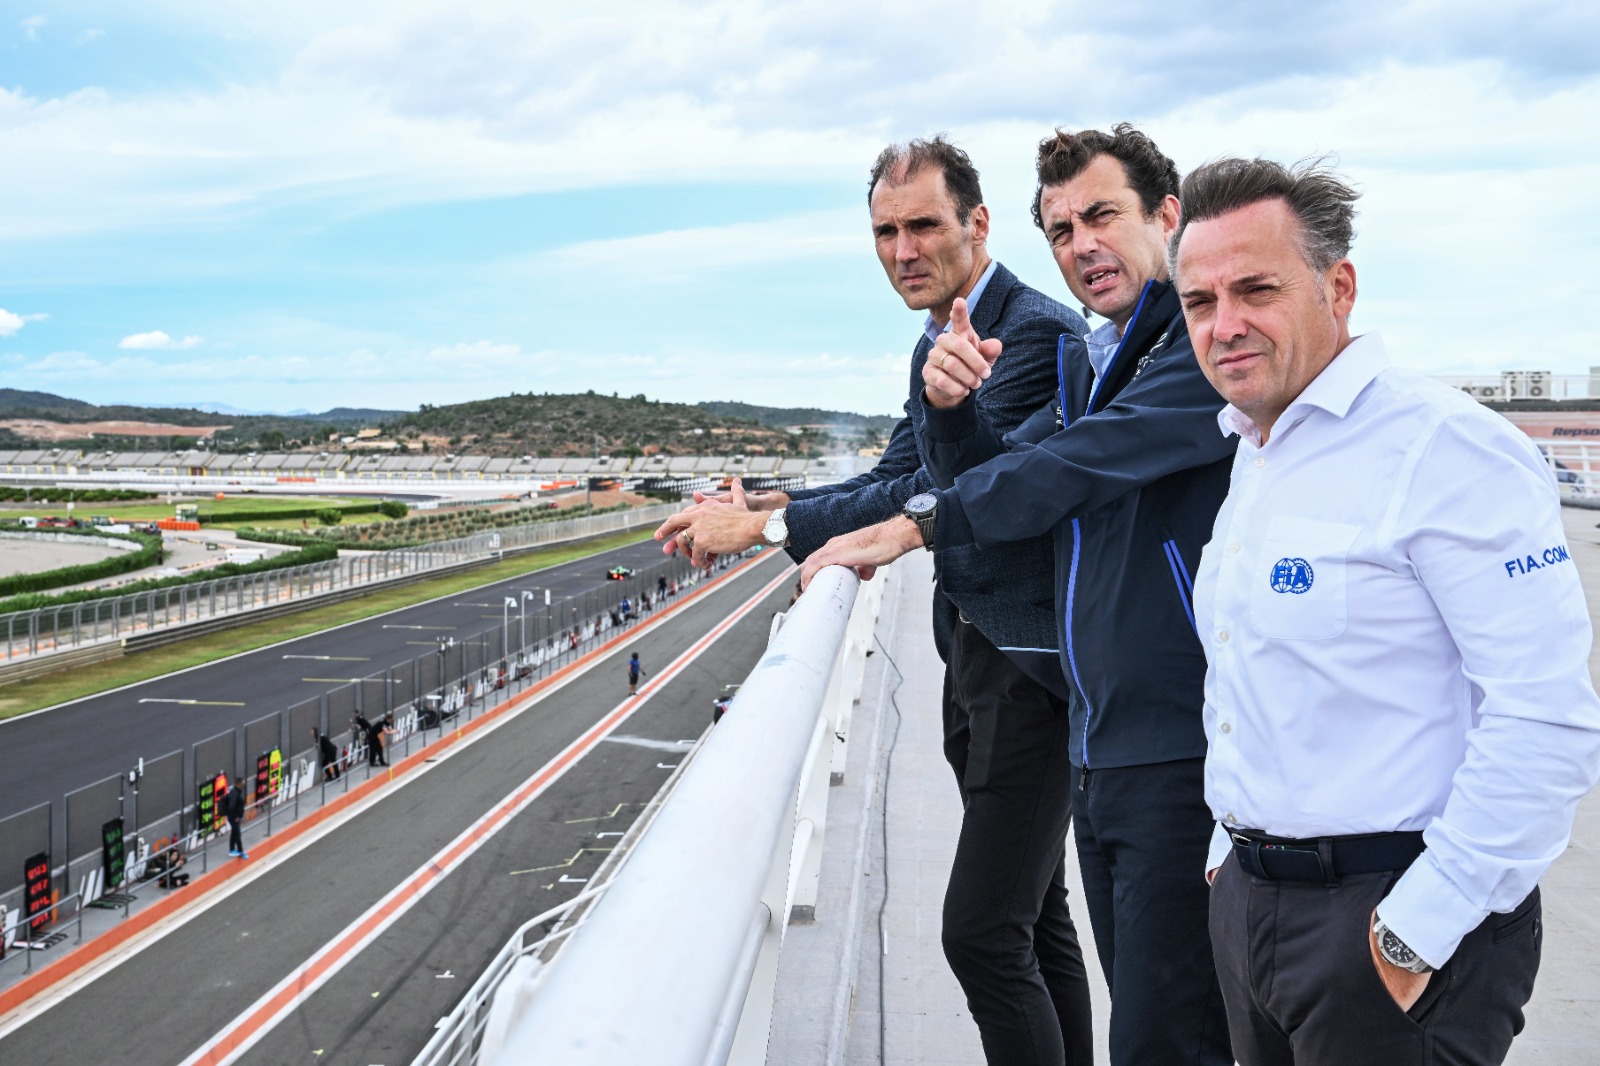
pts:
[933, 330]
[1102, 345]
[1334, 390]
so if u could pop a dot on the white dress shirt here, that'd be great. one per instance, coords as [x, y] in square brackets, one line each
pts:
[1397, 639]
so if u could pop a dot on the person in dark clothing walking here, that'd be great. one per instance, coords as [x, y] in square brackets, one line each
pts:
[327, 755]
[635, 672]
[233, 810]
[380, 738]
[365, 730]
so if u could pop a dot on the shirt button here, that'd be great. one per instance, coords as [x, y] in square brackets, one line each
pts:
[1230, 818]
[1226, 728]
[1222, 635]
[1260, 461]
[1234, 547]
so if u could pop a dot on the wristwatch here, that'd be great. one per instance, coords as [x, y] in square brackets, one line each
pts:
[1394, 950]
[923, 509]
[776, 531]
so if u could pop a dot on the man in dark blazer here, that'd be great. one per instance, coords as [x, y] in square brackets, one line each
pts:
[1007, 932]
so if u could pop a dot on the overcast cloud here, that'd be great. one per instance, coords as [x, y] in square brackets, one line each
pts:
[324, 191]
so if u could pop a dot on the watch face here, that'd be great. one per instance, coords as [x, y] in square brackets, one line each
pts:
[776, 530]
[922, 503]
[1394, 949]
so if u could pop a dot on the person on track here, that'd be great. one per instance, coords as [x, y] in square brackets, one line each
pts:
[635, 672]
[233, 810]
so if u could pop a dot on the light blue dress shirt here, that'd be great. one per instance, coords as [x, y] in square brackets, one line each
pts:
[932, 329]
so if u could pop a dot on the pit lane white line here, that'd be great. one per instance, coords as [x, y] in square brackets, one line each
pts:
[261, 1017]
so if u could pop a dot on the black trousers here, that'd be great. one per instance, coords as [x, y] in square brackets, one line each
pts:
[1008, 935]
[1142, 834]
[235, 837]
[1302, 989]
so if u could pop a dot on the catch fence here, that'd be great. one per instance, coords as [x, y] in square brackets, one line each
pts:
[47, 630]
[125, 833]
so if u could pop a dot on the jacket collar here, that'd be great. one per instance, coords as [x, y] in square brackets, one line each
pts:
[1152, 325]
[993, 299]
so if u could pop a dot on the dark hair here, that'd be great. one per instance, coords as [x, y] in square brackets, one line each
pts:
[899, 163]
[1322, 201]
[1064, 156]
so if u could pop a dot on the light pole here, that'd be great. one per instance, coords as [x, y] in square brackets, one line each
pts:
[505, 627]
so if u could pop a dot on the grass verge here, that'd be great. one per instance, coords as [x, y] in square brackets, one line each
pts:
[34, 693]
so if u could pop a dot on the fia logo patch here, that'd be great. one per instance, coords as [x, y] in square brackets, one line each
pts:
[1292, 575]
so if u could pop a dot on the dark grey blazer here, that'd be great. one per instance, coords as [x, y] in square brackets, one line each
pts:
[1007, 591]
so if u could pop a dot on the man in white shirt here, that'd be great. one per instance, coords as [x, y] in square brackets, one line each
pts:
[1399, 714]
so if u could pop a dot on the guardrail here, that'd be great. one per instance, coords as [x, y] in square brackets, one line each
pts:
[115, 619]
[1576, 467]
[676, 961]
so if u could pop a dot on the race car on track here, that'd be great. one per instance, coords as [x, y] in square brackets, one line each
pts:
[618, 573]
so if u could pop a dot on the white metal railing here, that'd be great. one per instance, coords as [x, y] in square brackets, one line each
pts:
[1576, 466]
[1525, 385]
[676, 962]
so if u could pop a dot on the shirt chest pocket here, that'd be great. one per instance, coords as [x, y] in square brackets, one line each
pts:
[1298, 584]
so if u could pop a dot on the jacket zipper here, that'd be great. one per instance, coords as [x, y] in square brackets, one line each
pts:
[1072, 576]
[1061, 381]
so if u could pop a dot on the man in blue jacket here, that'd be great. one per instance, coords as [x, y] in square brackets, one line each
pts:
[1007, 931]
[1124, 470]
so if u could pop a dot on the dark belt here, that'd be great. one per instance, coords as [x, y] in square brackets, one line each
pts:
[1323, 860]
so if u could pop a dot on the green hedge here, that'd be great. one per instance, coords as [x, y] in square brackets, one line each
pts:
[212, 517]
[50, 492]
[422, 527]
[311, 553]
[149, 554]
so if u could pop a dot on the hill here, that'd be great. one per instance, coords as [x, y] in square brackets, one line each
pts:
[783, 417]
[146, 428]
[556, 424]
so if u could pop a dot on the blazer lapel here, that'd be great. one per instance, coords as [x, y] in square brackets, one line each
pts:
[993, 301]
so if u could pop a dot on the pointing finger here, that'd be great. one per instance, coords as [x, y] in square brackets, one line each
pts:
[961, 322]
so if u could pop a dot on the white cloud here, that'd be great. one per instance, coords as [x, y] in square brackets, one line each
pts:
[690, 253]
[156, 339]
[11, 322]
[88, 35]
[32, 25]
[1457, 120]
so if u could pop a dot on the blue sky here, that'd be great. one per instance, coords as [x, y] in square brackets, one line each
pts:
[307, 205]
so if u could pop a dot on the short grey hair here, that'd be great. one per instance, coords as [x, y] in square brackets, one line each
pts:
[1322, 201]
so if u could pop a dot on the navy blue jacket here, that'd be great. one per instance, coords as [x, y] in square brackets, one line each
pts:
[1128, 478]
[1005, 591]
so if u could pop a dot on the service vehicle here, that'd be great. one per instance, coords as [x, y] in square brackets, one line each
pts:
[719, 705]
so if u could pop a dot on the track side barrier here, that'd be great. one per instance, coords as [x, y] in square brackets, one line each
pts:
[466, 701]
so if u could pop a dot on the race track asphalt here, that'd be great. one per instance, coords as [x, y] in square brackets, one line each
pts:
[159, 1006]
[49, 753]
